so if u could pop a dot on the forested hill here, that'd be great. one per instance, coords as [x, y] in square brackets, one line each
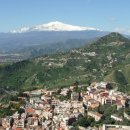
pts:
[107, 59]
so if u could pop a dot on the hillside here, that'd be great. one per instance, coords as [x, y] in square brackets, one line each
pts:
[40, 50]
[27, 44]
[107, 59]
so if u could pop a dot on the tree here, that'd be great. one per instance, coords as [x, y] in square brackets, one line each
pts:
[11, 122]
[21, 110]
[83, 121]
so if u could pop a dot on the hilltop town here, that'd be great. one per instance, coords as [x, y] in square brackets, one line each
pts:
[61, 109]
[64, 65]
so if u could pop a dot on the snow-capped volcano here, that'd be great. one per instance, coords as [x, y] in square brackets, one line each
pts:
[54, 26]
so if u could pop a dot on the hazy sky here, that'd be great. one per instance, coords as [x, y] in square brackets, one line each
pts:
[111, 15]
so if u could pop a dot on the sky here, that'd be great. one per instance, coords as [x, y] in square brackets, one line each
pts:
[107, 15]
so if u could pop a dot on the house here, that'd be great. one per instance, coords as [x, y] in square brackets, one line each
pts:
[75, 96]
[47, 124]
[92, 103]
[33, 99]
[72, 88]
[119, 105]
[55, 102]
[18, 129]
[38, 111]
[30, 121]
[20, 123]
[6, 122]
[64, 91]
[116, 117]
[86, 98]
[15, 115]
[76, 104]
[47, 114]
[47, 99]
[115, 127]
[63, 125]
[30, 111]
[95, 115]
[126, 116]
[110, 101]
[101, 84]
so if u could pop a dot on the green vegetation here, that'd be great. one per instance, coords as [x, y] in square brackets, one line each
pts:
[105, 59]
[57, 47]
[128, 111]
[67, 97]
[107, 111]
[84, 122]
[6, 112]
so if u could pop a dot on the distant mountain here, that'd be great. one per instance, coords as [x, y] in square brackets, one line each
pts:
[40, 50]
[54, 26]
[47, 35]
[106, 59]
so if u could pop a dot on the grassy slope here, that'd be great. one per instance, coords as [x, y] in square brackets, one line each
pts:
[77, 65]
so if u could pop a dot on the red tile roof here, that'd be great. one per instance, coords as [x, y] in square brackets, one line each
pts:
[105, 94]
[30, 110]
[17, 129]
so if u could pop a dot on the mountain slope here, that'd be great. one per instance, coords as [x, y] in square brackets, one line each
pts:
[46, 36]
[105, 59]
[40, 50]
[17, 41]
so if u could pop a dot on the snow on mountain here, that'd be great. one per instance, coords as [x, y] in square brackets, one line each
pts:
[54, 26]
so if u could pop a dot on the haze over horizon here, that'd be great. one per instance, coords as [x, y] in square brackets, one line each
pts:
[104, 15]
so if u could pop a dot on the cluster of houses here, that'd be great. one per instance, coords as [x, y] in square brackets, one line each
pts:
[101, 94]
[44, 111]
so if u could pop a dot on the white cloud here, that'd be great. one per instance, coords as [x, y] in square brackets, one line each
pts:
[125, 30]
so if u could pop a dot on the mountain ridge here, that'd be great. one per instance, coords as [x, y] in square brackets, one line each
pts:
[15, 42]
